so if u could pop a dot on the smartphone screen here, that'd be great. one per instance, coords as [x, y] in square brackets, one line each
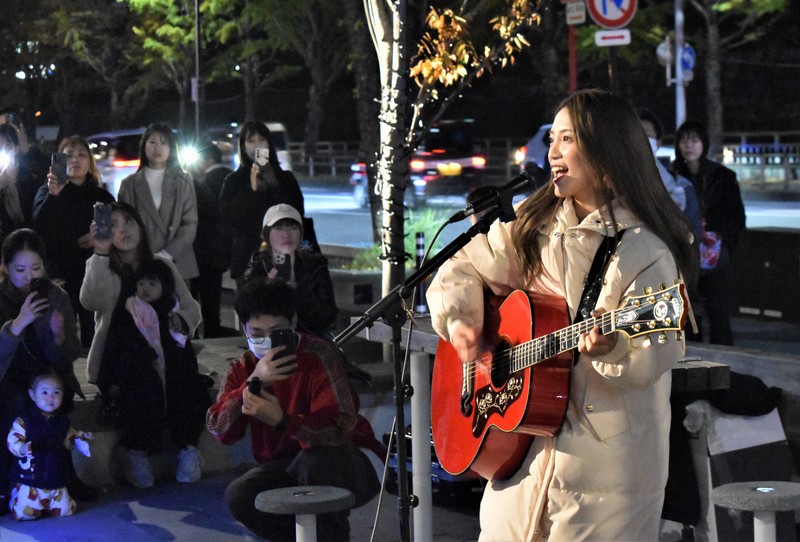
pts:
[102, 217]
[58, 165]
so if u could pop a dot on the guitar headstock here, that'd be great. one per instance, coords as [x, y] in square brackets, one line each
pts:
[653, 312]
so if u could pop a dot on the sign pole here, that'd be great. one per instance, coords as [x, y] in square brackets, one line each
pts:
[680, 89]
[573, 60]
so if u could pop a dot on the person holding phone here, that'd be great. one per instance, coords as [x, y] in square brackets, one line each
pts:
[302, 415]
[30, 161]
[38, 334]
[249, 191]
[163, 195]
[63, 212]
[11, 177]
[282, 256]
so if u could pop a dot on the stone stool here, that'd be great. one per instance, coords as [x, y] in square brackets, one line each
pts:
[761, 498]
[305, 502]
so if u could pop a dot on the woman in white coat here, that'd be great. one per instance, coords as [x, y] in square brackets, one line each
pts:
[163, 195]
[602, 477]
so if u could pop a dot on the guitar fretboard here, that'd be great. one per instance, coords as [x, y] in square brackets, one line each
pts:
[543, 348]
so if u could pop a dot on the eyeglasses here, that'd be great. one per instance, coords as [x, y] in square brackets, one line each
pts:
[257, 340]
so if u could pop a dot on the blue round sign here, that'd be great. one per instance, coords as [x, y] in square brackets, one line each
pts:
[688, 57]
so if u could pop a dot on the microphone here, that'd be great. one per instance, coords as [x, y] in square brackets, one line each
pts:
[501, 197]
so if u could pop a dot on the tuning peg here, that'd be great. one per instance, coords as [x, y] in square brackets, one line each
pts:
[648, 290]
[679, 335]
[662, 286]
[662, 338]
[646, 343]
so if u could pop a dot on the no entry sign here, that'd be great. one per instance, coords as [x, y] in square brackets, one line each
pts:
[611, 13]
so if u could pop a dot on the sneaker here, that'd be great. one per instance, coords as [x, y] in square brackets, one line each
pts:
[137, 470]
[189, 461]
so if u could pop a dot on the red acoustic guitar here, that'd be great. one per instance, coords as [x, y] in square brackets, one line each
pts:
[485, 413]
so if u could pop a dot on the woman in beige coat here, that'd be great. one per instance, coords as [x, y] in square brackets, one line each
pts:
[163, 195]
[602, 476]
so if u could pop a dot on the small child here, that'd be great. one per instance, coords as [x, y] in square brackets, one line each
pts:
[149, 372]
[42, 438]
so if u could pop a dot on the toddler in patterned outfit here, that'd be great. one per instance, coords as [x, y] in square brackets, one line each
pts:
[42, 438]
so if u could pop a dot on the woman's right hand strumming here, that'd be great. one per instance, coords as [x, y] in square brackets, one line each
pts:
[465, 341]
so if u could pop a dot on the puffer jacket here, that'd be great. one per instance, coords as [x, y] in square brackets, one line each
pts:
[603, 476]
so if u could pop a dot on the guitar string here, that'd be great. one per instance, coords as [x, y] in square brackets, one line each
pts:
[539, 346]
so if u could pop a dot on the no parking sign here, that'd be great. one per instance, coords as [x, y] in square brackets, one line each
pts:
[611, 13]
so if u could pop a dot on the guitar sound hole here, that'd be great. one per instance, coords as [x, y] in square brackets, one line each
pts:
[501, 368]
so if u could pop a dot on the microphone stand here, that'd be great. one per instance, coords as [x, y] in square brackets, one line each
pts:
[393, 310]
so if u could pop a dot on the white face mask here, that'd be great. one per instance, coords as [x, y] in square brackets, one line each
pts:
[653, 144]
[260, 350]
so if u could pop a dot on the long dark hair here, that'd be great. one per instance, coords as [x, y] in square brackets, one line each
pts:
[248, 129]
[161, 128]
[143, 252]
[614, 145]
[691, 128]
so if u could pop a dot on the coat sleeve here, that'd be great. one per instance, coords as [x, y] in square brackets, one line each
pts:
[455, 296]
[332, 412]
[188, 307]
[316, 303]
[224, 419]
[181, 243]
[644, 262]
[101, 286]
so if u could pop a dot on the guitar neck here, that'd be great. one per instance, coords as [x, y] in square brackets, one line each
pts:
[543, 348]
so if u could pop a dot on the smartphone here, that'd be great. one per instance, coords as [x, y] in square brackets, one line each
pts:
[102, 217]
[58, 165]
[254, 385]
[283, 263]
[284, 337]
[40, 286]
[262, 156]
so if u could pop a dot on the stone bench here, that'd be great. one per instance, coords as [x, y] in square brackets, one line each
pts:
[104, 467]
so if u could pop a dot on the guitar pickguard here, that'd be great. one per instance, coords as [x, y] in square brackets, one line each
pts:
[489, 401]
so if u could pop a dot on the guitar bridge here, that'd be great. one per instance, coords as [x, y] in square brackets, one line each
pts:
[466, 388]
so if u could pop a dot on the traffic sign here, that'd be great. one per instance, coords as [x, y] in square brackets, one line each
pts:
[688, 57]
[576, 13]
[608, 38]
[611, 13]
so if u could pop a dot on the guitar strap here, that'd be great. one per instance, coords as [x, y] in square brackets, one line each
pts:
[594, 281]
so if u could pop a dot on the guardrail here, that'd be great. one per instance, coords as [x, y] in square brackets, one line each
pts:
[761, 160]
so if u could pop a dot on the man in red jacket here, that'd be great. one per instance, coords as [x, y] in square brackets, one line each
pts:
[304, 423]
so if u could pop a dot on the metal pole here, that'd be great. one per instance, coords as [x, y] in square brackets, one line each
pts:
[197, 70]
[421, 306]
[421, 446]
[680, 89]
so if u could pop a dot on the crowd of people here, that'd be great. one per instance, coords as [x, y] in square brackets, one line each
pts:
[133, 281]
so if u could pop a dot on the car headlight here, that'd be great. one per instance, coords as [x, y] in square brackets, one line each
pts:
[188, 156]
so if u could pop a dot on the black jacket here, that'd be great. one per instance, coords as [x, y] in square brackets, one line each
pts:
[243, 211]
[720, 199]
[316, 305]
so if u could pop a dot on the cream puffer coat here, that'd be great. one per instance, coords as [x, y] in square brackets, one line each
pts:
[603, 476]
